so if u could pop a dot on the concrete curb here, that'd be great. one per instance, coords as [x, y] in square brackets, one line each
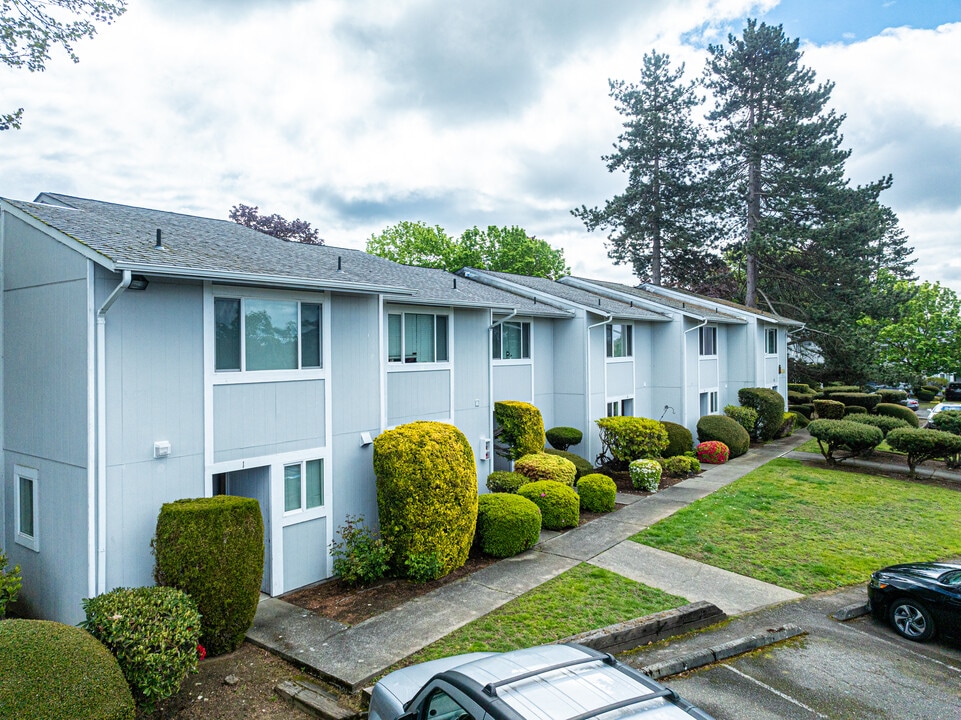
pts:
[700, 658]
[641, 631]
[849, 612]
[313, 700]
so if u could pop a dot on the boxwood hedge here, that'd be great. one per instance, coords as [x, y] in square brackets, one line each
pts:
[507, 524]
[769, 405]
[583, 466]
[597, 493]
[725, 430]
[898, 411]
[829, 409]
[521, 428]
[834, 436]
[629, 438]
[679, 440]
[885, 423]
[542, 466]
[559, 504]
[504, 481]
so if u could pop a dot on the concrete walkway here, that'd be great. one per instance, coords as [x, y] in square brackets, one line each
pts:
[351, 656]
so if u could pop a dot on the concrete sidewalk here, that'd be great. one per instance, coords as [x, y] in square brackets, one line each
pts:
[351, 656]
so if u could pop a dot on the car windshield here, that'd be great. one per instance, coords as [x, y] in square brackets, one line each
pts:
[951, 578]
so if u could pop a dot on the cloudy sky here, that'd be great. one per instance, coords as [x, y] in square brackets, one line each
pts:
[357, 114]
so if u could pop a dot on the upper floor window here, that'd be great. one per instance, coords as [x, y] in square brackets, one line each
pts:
[417, 338]
[259, 334]
[707, 337]
[619, 340]
[511, 341]
[770, 341]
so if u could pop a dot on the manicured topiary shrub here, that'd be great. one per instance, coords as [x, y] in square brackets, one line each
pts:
[922, 445]
[830, 390]
[520, 428]
[800, 419]
[154, 633]
[582, 466]
[49, 670]
[541, 466]
[854, 410]
[502, 481]
[725, 430]
[563, 437]
[829, 409]
[713, 452]
[507, 524]
[834, 436]
[857, 399]
[645, 474]
[627, 438]
[559, 504]
[898, 411]
[597, 493]
[947, 421]
[927, 394]
[679, 439]
[891, 396]
[680, 466]
[769, 405]
[746, 417]
[885, 423]
[796, 398]
[787, 425]
[213, 549]
[807, 410]
[800, 388]
[426, 496]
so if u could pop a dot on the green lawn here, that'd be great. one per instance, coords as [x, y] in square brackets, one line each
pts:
[583, 598]
[812, 529]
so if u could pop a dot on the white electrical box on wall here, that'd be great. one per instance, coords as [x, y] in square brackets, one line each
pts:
[161, 448]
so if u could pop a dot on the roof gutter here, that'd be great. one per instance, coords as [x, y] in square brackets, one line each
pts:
[515, 289]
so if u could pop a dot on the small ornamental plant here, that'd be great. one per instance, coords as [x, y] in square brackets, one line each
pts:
[645, 474]
[10, 583]
[713, 452]
[360, 557]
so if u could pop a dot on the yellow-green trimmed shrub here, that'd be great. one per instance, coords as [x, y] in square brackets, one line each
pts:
[507, 524]
[829, 409]
[885, 423]
[503, 481]
[645, 474]
[836, 435]
[800, 419]
[769, 405]
[923, 444]
[787, 425]
[680, 466]
[628, 438]
[426, 495]
[10, 583]
[521, 428]
[679, 439]
[898, 411]
[153, 632]
[724, 430]
[49, 670]
[597, 493]
[213, 549]
[559, 504]
[583, 466]
[562, 437]
[541, 466]
[858, 399]
[746, 417]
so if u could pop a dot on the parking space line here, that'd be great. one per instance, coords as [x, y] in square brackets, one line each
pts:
[773, 690]
[906, 649]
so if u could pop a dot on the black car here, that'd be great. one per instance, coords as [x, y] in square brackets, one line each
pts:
[918, 599]
[953, 391]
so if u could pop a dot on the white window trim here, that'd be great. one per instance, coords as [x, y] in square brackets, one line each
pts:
[715, 392]
[246, 377]
[620, 404]
[400, 366]
[302, 514]
[766, 352]
[28, 541]
[716, 342]
[530, 340]
[619, 358]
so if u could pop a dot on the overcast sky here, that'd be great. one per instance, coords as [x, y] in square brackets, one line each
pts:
[357, 114]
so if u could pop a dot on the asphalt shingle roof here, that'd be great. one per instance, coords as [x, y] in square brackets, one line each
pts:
[692, 306]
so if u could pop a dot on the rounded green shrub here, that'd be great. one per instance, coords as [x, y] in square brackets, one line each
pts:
[426, 496]
[597, 493]
[947, 421]
[787, 425]
[744, 416]
[680, 466]
[800, 419]
[725, 430]
[582, 466]
[507, 524]
[854, 410]
[520, 428]
[923, 444]
[563, 437]
[830, 390]
[49, 670]
[504, 481]
[898, 411]
[927, 394]
[679, 439]
[829, 409]
[885, 423]
[807, 410]
[836, 435]
[627, 438]
[213, 549]
[891, 396]
[645, 474]
[857, 399]
[559, 503]
[153, 632]
[541, 466]
[801, 388]
[769, 405]
[796, 398]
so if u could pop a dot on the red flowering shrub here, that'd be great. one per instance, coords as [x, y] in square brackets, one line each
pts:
[713, 452]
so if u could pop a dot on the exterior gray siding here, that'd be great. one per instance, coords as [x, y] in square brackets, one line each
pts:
[514, 381]
[542, 356]
[473, 414]
[305, 556]
[418, 395]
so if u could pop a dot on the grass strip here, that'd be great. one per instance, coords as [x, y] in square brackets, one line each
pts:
[813, 529]
[583, 598]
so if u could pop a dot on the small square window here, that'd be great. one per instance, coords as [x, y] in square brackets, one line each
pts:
[27, 530]
[620, 340]
[707, 336]
[770, 341]
[303, 486]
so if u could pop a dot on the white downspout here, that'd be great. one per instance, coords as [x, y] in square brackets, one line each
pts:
[490, 386]
[684, 400]
[102, 431]
[587, 403]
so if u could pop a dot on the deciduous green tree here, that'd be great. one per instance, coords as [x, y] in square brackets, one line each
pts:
[657, 225]
[29, 28]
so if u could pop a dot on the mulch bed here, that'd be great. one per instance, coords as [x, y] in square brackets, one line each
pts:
[338, 601]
